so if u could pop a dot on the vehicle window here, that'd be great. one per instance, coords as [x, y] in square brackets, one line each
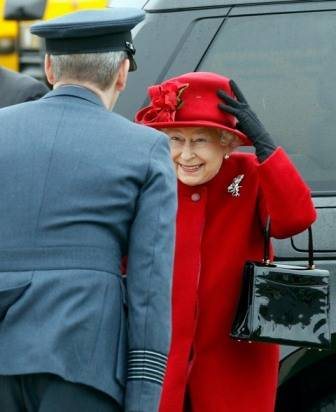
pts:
[286, 66]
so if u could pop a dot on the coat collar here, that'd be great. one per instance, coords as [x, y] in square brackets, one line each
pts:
[75, 91]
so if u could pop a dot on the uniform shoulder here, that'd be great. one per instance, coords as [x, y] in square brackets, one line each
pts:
[138, 133]
[11, 75]
[18, 88]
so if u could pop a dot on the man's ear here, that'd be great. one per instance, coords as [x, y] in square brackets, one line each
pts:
[48, 70]
[122, 75]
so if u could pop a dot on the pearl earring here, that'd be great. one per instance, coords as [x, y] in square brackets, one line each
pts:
[226, 156]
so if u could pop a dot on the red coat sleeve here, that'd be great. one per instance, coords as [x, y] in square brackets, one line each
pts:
[284, 196]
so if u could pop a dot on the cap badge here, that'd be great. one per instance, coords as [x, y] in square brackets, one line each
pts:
[235, 186]
[130, 47]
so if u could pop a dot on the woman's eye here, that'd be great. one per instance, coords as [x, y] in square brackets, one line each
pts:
[200, 140]
[175, 138]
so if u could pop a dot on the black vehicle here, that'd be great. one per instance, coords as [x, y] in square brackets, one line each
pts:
[283, 55]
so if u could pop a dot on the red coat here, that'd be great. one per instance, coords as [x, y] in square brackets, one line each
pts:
[216, 233]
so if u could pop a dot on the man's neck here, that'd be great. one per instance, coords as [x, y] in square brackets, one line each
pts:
[108, 96]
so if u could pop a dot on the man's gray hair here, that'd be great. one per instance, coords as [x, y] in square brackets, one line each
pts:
[97, 68]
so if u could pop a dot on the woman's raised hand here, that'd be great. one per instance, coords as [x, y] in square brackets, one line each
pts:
[248, 122]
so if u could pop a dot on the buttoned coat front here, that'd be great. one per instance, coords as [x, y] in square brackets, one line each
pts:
[81, 187]
[219, 227]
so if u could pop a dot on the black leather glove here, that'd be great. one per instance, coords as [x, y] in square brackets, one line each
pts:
[248, 122]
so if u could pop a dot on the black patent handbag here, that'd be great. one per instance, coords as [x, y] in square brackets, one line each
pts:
[284, 304]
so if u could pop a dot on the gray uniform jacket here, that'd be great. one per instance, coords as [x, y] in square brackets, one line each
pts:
[81, 187]
[17, 88]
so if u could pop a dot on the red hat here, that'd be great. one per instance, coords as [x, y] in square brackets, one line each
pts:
[190, 100]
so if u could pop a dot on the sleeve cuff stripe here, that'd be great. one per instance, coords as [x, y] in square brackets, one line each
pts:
[141, 373]
[151, 371]
[148, 378]
[148, 361]
[147, 358]
[147, 353]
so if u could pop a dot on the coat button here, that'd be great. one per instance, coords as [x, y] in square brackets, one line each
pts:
[195, 197]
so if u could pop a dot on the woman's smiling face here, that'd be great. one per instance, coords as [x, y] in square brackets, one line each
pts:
[197, 153]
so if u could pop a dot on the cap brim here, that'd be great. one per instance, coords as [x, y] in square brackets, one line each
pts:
[245, 141]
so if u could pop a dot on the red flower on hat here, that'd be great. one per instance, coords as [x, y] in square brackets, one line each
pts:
[165, 100]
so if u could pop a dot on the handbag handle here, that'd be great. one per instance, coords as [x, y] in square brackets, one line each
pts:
[267, 241]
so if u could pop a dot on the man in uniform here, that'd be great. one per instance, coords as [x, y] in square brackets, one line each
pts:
[82, 187]
[18, 88]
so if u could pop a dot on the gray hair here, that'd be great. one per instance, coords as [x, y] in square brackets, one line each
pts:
[97, 68]
[229, 139]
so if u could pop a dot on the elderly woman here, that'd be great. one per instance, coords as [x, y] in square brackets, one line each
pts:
[224, 200]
